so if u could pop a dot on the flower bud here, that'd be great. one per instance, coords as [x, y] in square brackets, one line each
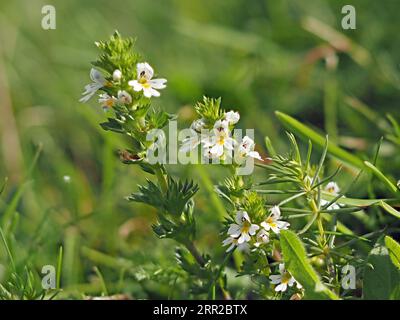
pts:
[117, 75]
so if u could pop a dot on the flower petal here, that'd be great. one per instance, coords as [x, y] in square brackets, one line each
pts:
[135, 85]
[275, 278]
[253, 229]
[144, 70]
[234, 230]
[158, 83]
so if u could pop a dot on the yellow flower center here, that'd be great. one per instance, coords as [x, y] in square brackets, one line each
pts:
[109, 103]
[270, 221]
[143, 81]
[246, 227]
[286, 277]
[221, 140]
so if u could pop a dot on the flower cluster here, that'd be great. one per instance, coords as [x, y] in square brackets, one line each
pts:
[107, 100]
[243, 232]
[217, 140]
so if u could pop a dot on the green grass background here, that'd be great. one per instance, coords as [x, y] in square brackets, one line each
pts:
[257, 55]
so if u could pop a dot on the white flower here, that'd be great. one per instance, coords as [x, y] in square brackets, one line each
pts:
[243, 228]
[221, 140]
[273, 221]
[198, 125]
[246, 149]
[107, 101]
[234, 243]
[262, 237]
[98, 82]
[232, 117]
[117, 75]
[333, 188]
[283, 279]
[191, 142]
[333, 206]
[124, 97]
[145, 82]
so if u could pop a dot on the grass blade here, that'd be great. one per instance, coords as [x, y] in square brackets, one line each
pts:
[391, 186]
[308, 134]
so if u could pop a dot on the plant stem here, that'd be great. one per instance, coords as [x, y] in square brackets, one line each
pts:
[195, 253]
[199, 259]
[314, 208]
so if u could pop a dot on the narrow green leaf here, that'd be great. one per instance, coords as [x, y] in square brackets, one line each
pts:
[3, 186]
[59, 266]
[395, 124]
[321, 161]
[389, 209]
[352, 201]
[391, 186]
[12, 206]
[297, 264]
[270, 147]
[10, 256]
[308, 134]
[102, 282]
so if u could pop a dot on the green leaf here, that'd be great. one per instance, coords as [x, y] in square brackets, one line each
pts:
[391, 186]
[389, 209]
[3, 186]
[297, 264]
[381, 277]
[174, 201]
[308, 134]
[112, 125]
[158, 119]
[394, 250]
[270, 147]
[59, 266]
[13, 204]
[352, 201]
[321, 161]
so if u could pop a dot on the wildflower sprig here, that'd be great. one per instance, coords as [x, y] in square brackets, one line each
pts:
[126, 85]
[286, 232]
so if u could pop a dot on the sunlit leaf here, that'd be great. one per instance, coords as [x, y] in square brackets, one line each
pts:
[394, 250]
[297, 264]
[381, 277]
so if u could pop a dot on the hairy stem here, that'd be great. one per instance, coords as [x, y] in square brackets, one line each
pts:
[320, 226]
[200, 260]
[195, 253]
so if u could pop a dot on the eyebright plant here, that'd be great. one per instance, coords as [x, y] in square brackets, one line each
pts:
[284, 232]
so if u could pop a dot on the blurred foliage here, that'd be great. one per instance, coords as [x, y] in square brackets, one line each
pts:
[259, 56]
